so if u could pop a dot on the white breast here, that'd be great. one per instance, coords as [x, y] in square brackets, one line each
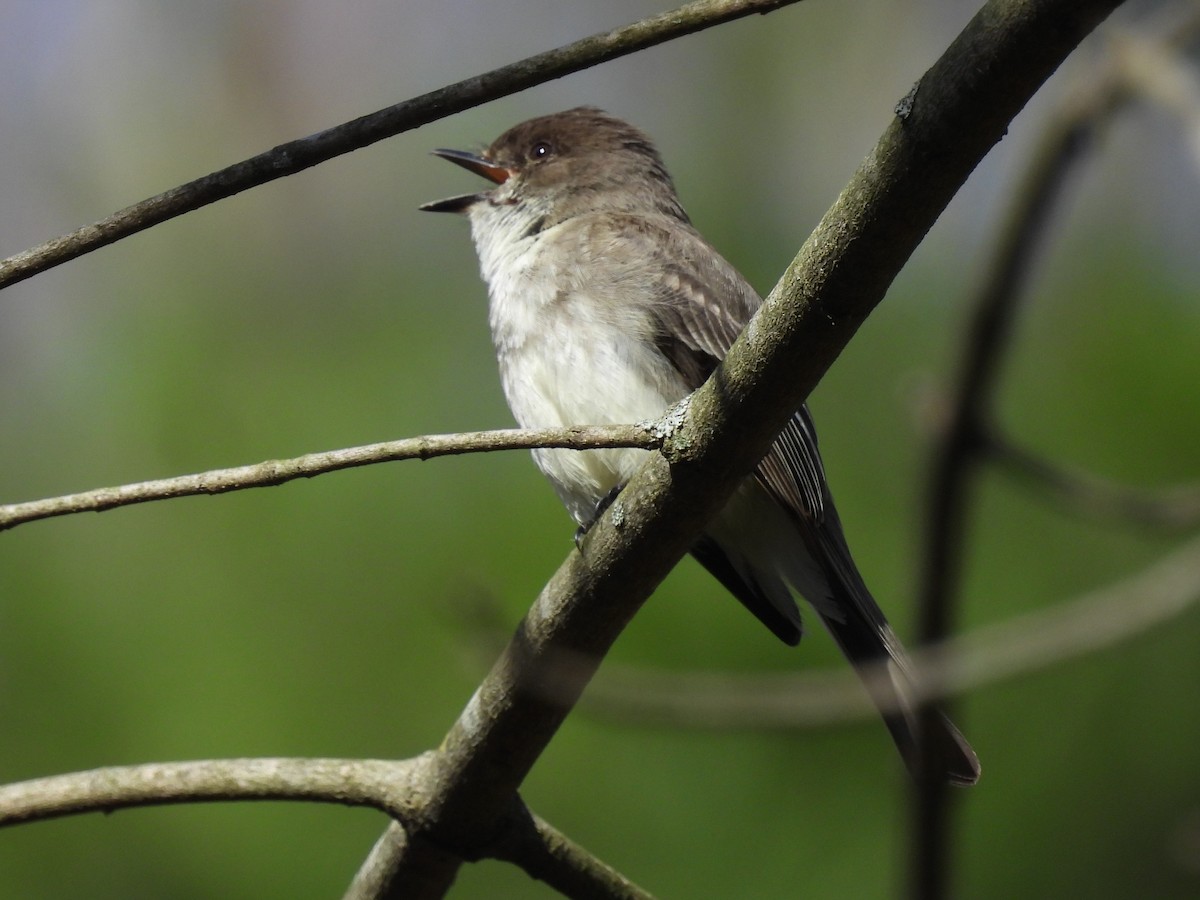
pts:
[571, 353]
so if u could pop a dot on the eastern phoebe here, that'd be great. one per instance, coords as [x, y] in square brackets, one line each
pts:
[607, 306]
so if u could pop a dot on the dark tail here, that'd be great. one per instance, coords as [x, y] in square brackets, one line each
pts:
[824, 571]
[880, 661]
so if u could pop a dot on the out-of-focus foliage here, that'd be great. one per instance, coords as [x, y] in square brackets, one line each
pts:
[333, 617]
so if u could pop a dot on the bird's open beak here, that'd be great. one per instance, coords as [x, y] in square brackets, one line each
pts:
[475, 163]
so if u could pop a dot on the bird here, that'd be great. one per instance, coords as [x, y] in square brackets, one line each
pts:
[607, 306]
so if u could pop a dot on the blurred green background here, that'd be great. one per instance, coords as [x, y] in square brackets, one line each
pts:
[330, 617]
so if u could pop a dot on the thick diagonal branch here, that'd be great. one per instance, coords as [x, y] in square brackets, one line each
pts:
[960, 109]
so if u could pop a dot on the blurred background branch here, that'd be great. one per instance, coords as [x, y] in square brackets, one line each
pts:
[1174, 508]
[966, 442]
[985, 657]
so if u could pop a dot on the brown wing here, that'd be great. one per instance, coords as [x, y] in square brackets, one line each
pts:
[704, 303]
[701, 305]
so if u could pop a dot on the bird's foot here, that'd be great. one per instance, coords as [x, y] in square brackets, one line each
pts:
[605, 503]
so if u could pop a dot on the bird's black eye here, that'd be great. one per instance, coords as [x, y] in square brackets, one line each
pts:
[541, 150]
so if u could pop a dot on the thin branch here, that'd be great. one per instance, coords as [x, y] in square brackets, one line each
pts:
[295, 156]
[1157, 71]
[961, 447]
[386, 785]
[647, 436]
[545, 853]
[382, 866]
[1173, 508]
[961, 108]
[534, 845]
[391, 786]
[1097, 620]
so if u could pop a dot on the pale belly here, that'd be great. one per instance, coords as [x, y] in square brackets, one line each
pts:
[557, 379]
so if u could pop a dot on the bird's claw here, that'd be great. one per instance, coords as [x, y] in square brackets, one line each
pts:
[604, 503]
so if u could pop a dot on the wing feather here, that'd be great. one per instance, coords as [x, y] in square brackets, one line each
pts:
[701, 304]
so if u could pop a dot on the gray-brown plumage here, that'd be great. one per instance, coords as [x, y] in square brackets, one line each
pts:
[607, 306]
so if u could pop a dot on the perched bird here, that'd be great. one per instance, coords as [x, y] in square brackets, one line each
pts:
[607, 306]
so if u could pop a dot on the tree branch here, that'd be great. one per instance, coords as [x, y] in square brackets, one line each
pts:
[295, 156]
[533, 845]
[393, 787]
[435, 877]
[647, 436]
[961, 108]
[545, 853]
[1172, 508]
[1155, 70]
[386, 785]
